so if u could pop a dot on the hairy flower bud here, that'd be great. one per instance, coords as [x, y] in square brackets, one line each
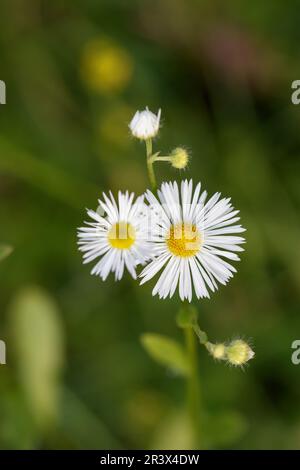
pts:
[218, 351]
[239, 352]
[180, 158]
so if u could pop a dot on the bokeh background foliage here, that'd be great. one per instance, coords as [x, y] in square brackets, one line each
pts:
[77, 375]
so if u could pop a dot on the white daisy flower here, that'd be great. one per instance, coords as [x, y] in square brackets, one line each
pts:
[145, 124]
[193, 238]
[117, 235]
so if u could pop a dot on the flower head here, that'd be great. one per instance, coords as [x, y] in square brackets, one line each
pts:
[118, 236]
[193, 239]
[145, 124]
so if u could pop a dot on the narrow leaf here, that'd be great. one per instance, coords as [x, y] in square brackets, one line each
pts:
[166, 352]
[38, 339]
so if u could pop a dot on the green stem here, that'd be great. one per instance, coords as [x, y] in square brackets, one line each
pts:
[151, 173]
[158, 158]
[202, 336]
[193, 387]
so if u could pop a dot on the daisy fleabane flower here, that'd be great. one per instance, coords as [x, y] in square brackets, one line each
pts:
[117, 235]
[193, 238]
[145, 124]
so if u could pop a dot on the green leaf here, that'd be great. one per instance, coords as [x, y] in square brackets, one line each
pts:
[166, 351]
[5, 250]
[38, 339]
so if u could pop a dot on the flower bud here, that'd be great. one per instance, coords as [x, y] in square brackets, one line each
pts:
[145, 124]
[218, 351]
[239, 352]
[180, 158]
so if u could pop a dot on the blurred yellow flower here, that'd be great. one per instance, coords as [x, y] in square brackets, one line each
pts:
[105, 67]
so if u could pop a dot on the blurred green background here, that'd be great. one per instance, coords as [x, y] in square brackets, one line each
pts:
[77, 375]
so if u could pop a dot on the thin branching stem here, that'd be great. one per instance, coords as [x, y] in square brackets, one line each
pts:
[150, 168]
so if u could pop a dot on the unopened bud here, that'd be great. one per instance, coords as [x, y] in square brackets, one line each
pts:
[239, 352]
[145, 124]
[180, 158]
[219, 351]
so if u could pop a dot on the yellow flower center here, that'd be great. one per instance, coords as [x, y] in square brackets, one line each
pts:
[184, 240]
[121, 235]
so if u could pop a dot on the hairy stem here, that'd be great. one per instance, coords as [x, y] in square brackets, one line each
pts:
[150, 168]
[159, 158]
[193, 392]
